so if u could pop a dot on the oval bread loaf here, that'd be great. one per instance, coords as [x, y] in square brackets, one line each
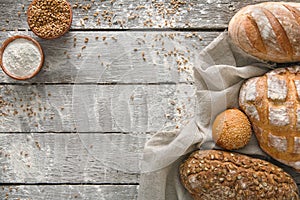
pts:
[216, 175]
[272, 103]
[269, 31]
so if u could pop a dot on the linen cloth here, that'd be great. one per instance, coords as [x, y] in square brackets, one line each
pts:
[219, 72]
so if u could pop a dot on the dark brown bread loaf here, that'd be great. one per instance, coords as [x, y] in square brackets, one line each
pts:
[272, 103]
[269, 31]
[220, 175]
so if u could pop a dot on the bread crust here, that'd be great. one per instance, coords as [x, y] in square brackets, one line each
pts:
[215, 175]
[269, 31]
[272, 103]
[231, 129]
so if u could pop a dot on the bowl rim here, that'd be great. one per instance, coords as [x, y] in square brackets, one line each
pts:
[13, 38]
[54, 37]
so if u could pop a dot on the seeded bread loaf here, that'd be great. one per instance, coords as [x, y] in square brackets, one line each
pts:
[269, 31]
[231, 129]
[220, 175]
[272, 103]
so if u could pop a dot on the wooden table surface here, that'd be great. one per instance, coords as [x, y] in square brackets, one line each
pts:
[77, 130]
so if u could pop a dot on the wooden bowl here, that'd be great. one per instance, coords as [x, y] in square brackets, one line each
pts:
[56, 31]
[9, 73]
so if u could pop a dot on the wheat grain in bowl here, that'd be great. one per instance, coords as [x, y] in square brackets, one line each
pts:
[49, 19]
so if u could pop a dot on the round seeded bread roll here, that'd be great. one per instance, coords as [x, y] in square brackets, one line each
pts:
[231, 129]
[220, 175]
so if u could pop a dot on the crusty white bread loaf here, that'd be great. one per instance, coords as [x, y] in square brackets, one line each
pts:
[220, 175]
[269, 31]
[272, 103]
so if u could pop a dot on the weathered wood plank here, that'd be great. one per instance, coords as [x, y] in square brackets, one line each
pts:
[119, 57]
[70, 158]
[131, 14]
[76, 158]
[77, 192]
[95, 108]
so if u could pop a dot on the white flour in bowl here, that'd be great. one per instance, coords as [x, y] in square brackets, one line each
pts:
[21, 57]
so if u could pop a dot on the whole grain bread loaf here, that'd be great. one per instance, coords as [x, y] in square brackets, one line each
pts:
[220, 175]
[269, 31]
[272, 103]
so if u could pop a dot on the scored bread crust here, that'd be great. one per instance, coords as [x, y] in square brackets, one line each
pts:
[220, 175]
[269, 31]
[272, 103]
